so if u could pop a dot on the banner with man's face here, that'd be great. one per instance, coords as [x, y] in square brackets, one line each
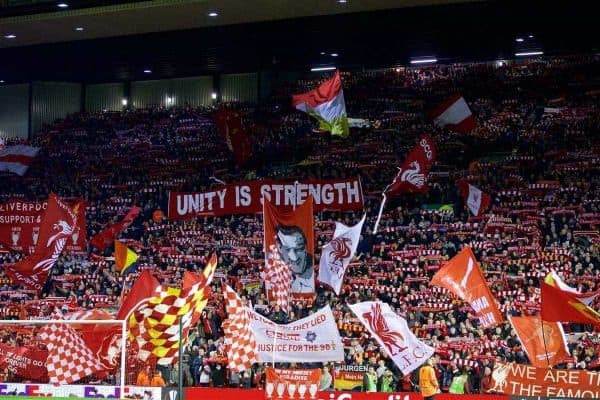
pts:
[289, 249]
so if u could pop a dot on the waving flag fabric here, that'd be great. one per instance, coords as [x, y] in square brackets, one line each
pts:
[69, 358]
[58, 222]
[326, 103]
[393, 335]
[412, 175]
[109, 234]
[544, 342]
[561, 306]
[16, 159]
[154, 325]
[124, 257]
[239, 339]
[476, 200]
[463, 277]
[142, 290]
[554, 280]
[338, 253]
[229, 124]
[454, 114]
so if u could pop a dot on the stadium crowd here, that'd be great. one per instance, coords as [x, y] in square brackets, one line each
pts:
[535, 150]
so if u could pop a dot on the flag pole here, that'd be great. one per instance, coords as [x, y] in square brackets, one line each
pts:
[544, 339]
[380, 212]
[180, 357]
[295, 194]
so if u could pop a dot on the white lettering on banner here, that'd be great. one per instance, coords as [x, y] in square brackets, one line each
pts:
[341, 194]
[426, 148]
[310, 339]
[480, 303]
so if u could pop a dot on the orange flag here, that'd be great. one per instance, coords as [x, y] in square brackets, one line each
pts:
[561, 306]
[462, 276]
[544, 343]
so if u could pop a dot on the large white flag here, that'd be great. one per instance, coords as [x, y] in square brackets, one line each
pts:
[337, 254]
[310, 339]
[392, 334]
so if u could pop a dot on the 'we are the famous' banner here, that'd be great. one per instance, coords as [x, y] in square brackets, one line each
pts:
[526, 380]
[246, 197]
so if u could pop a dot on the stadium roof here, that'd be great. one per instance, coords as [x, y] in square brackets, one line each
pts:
[36, 22]
[179, 38]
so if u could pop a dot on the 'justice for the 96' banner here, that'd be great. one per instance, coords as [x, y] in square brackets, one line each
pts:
[246, 197]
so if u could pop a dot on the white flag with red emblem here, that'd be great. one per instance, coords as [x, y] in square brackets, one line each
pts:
[454, 114]
[239, 339]
[338, 253]
[392, 333]
[476, 200]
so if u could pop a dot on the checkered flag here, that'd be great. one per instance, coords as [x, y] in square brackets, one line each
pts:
[69, 358]
[278, 279]
[239, 338]
[154, 325]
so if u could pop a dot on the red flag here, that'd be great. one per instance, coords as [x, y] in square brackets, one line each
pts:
[476, 200]
[144, 288]
[58, 223]
[544, 343]
[229, 124]
[561, 306]
[412, 176]
[78, 240]
[103, 340]
[455, 114]
[24, 361]
[463, 277]
[109, 234]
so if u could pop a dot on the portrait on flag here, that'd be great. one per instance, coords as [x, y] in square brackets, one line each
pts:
[289, 249]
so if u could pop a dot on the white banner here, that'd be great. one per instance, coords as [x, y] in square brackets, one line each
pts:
[311, 339]
[392, 334]
[337, 254]
[79, 391]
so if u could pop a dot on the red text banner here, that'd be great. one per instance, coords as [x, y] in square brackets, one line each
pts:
[20, 222]
[246, 197]
[292, 383]
[526, 380]
[24, 362]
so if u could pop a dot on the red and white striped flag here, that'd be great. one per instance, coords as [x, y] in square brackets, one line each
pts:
[476, 200]
[16, 159]
[69, 358]
[239, 338]
[454, 114]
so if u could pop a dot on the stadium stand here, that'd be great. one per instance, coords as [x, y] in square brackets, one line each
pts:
[535, 150]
